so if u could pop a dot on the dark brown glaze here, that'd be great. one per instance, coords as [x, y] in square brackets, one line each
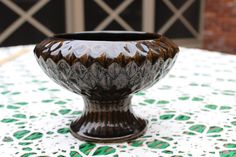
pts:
[108, 121]
[106, 68]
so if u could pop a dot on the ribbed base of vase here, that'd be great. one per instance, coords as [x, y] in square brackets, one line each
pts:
[108, 121]
[116, 139]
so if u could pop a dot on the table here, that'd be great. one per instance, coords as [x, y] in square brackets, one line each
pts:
[191, 112]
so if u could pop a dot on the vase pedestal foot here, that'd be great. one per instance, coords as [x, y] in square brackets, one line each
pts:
[108, 122]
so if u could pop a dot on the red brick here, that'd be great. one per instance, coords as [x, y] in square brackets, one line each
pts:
[220, 25]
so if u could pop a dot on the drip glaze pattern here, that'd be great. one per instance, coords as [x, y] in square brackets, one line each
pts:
[106, 74]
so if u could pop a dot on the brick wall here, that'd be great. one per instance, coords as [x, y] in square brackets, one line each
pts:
[220, 25]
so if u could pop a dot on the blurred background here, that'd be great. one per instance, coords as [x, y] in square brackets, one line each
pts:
[208, 24]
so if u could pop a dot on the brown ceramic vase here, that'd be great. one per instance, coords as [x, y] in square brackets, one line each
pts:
[106, 68]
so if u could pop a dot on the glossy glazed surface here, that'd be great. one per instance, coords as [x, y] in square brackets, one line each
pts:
[103, 68]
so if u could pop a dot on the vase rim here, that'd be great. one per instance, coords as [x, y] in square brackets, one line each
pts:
[109, 36]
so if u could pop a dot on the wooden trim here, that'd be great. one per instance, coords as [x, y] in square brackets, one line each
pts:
[78, 15]
[188, 42]
[113, 15]
[148, 15]
[177, 14]
[69, 16]
[24, 16]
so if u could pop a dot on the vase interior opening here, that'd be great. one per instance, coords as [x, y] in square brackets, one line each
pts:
[109, 36]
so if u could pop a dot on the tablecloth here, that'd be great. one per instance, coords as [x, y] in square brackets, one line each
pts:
[191, 112]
